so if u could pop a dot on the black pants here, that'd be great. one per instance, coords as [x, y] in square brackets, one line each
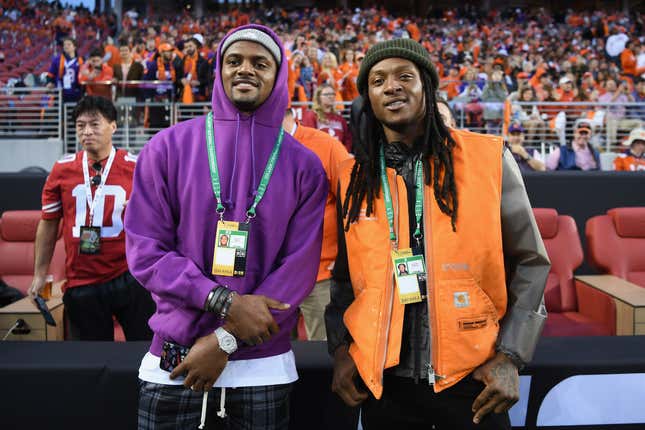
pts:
[410, 406]
[89, 309]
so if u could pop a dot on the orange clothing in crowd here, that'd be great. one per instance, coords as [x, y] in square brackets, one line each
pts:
[292, 77]
[451, 86]
[629, 163]
[331, 153]
[105, 74]
[348, 90]
[441, 71]
[116, 56]
[628, 63]
[413, 30]
[330, 77]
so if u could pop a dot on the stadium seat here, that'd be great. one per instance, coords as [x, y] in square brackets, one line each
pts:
[17, 236]
[575, 309]
[616, 243]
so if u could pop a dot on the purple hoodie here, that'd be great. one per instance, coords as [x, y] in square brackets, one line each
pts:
[171, 221]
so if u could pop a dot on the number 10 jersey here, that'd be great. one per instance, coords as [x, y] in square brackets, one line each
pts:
[64, 196]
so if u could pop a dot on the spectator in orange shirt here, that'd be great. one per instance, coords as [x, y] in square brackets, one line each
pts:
[94, 70]
[329, 72]
[450, 84]
[628, 61]
[349, 69]
[633, 159]
[112, 56]
[331, 153]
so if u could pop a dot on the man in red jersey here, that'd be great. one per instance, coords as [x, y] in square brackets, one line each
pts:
[89, 191]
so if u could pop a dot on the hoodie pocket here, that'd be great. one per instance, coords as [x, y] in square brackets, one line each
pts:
[467, 324]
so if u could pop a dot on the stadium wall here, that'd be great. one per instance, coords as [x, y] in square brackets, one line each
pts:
[578, 194]
[18, 154]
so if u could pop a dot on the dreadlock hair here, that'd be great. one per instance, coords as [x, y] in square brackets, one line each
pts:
[437, 146]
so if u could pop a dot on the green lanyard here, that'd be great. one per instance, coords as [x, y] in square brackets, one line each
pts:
[418, 203]
[212, 162]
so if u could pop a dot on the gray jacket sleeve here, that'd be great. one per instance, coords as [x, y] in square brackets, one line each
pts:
[527, 267]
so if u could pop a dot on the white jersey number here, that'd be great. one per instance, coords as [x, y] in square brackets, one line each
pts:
[81, 210]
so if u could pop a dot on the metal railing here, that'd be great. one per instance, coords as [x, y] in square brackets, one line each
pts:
[137, 122]
[553, 123]
[30, 113]
[39, 113]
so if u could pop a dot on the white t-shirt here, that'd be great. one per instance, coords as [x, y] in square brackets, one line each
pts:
[279, 369]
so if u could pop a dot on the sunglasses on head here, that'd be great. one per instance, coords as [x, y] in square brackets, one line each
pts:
[96, 180]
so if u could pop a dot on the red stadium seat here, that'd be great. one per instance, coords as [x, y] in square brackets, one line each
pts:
[616, 243]
[575, 309]
[17, 236]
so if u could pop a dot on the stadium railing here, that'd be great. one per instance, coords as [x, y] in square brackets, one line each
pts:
[39, 113]
[137, 122]
[548, 124]
[30, 113]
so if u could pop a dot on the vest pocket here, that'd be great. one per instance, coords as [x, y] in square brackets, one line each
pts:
[361, 319]
[467, 326]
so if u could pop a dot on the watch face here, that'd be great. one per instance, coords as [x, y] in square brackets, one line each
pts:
[227, 343]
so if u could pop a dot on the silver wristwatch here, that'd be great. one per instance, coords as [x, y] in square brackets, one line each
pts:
[227, 342]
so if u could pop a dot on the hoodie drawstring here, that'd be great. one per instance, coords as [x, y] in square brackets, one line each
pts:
[255, 190]
[222, 400]
[222, 409]
[229, 198]
[202, 420]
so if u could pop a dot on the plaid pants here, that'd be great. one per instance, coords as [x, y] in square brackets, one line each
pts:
[170, 407]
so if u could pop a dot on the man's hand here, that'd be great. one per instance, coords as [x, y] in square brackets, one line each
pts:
[250, 319]
[519, 150]
[37, 285]
[345, 373]
[203, 364]
[502, 386]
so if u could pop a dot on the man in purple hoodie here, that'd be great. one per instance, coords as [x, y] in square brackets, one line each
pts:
[233, 301]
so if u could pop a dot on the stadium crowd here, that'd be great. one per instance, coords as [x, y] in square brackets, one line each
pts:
[494, 68]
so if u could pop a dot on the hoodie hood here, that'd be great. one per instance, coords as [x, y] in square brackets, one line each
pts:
[271, 112]
[244, 142]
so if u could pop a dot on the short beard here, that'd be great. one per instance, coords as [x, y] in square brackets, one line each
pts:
[245, 105]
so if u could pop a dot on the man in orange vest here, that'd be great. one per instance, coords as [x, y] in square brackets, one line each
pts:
[441, 342]
[331, 153]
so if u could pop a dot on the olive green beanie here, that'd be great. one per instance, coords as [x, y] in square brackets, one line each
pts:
[400, 48]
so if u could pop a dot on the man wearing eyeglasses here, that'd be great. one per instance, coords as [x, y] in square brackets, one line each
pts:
[88, 191]
[579, 154]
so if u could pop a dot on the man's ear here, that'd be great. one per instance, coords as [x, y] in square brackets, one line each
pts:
[113, 126]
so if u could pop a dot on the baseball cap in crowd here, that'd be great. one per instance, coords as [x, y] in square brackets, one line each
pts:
[564, 80]
[583, 125]
[515, 127]
[636, 134]
[199, 38]
[522, 75]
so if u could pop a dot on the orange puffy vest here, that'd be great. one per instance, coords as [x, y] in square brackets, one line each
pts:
[466, 279]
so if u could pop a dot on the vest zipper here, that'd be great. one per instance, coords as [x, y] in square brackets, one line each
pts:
[427, 245]
[391, 276]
